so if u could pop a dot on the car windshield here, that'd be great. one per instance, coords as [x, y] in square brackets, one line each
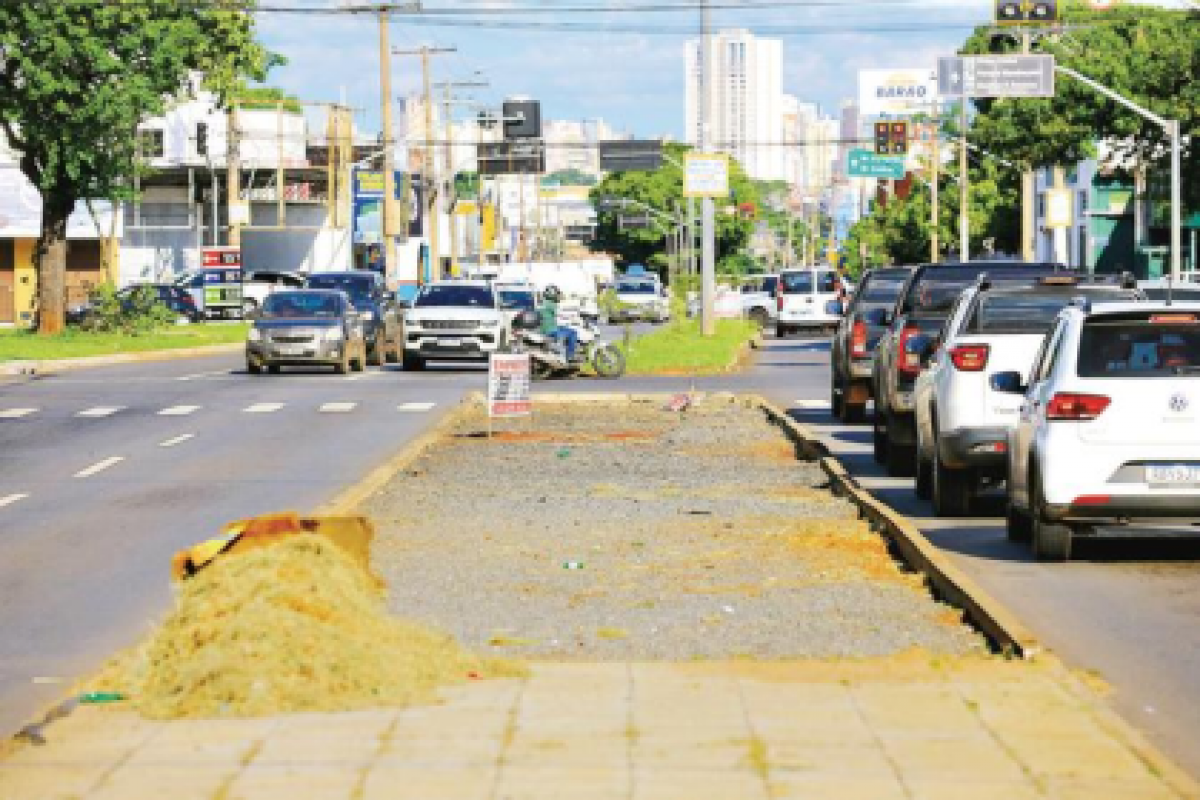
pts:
[635, 287]
[302, 304]
[1030, 313]
[516, 299]
[1162, 345]
[358, 287]
[455, 296]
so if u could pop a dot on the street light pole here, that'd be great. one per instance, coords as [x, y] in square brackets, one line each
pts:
[708, 280]
[964, 220]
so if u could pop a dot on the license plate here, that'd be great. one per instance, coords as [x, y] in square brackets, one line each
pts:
[291, 351]
[449, 342]
[1172, 474]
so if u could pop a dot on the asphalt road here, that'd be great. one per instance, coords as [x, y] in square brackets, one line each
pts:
[84, 560]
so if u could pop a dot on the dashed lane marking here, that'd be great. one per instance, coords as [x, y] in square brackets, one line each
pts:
[263, 408]
[177, 440]
[178, 411]
[412, 408]
[12, 498]
[16, 413]
[99, 466]
[100, 411]
[338, 408]
[202, 375]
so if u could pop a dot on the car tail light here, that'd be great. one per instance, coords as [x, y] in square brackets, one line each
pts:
[970, 357]
[858, 340]
[1092, 500]
[779, 301]
[1076, 407]
[907, 363]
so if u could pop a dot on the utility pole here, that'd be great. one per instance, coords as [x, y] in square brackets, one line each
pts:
[233, 178]
[389, 226]
[429, 159]
[934, 169]
[964, 223]
[1028, 189]
[451, 189]
[708, 280]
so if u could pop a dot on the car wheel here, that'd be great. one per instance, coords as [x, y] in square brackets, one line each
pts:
[413, 363]
[1017, 524]
[1051, 540]
[924, 482]
[879, 440]
[760, 317]
[342, 367]
[901, 459]
[360, 364]
[952, 489]
[253, 367]
[274, 369]
[375, 352]
[781, 331]
[393, 353]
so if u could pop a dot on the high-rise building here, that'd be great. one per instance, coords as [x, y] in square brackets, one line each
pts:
[744, 102]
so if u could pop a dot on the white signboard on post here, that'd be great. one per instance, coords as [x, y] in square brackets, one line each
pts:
[509, 382]
[896, 92]
[705, 175]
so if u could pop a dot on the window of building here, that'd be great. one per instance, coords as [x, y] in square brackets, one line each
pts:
[8, 257]
[152, 143]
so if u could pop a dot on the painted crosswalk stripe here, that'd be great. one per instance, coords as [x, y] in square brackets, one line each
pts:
[12, 498]
[415, 407]
[178, 411]
[99, 466]
[100, 411]
[338, 408]
[16, 413]
[177, 440]
[263, 408]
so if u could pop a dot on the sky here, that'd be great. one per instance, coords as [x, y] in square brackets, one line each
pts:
[632, 77]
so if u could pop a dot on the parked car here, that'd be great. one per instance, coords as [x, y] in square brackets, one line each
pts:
[921, 308]
[382, 322]
[640, 299]
[306, 327]
[1108, 431]
[962, 423]
[174, 298]
[852, 350]
[453, 321]
[1180, 291]
[758, 300]
[258, 284]
[216, 291]
[807, 297]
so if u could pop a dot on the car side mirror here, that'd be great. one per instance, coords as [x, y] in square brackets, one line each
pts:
[1007, 383]
[878, 317]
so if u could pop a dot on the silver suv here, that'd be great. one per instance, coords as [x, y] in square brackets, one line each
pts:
[453, 321]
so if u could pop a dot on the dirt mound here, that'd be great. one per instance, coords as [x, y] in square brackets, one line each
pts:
[289, 628]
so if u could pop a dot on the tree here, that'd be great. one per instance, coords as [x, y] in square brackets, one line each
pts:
[76, 79]
[662, 190]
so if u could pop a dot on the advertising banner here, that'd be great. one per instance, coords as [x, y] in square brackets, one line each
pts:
[509, 384]
[896, 92]
[368, 205]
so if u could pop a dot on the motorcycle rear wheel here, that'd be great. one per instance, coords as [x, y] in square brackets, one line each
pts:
[609, 362]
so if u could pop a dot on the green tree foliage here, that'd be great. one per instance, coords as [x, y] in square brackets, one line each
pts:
[76, 78]
[1150, 55]
[267, 97]
[662, 190]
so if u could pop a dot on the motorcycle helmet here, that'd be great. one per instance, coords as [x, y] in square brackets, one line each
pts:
[528, 320]
[552, 294]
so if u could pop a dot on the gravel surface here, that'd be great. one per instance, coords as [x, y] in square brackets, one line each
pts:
[637, 533]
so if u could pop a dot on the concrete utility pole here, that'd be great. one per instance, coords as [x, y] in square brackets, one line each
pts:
[1028, 189]
[964, 218]
[429, 160]
[390, 222]
[451, 189]
[935, 166]
[708, 280]
[233, 179]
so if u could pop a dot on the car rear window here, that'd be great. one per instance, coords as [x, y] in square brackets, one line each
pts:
[882, 290]
[1164, 345]
[1029, 313]
[802, 282]
[455, 296]
[934, 290]
[636, 287]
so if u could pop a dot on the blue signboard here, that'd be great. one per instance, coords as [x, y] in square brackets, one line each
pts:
[367, 224]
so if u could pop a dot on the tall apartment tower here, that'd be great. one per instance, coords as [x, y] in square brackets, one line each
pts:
[745, 101]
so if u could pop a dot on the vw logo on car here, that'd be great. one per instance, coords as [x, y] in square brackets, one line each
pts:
[1179, 402]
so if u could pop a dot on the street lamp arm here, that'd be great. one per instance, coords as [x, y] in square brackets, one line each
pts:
[1104, 90]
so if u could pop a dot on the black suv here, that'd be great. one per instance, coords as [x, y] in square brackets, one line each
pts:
[382, 327]
[921, 309]
[852, 351]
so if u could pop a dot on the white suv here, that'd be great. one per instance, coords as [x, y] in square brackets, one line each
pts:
[962, 423]
[1109, 432]
[807, 297]
[453, 321]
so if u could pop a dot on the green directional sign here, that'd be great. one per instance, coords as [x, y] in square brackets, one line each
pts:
[865, 164]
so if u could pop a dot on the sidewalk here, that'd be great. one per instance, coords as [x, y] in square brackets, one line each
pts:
[905, 728]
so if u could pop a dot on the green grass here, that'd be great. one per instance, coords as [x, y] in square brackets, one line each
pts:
[679, 348]
[21, 345]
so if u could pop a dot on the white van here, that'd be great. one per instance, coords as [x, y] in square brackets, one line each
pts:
[807, 297]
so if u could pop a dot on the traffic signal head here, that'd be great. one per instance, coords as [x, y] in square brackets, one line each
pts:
[1022, 11]
[899, 138]
[883, 144]
[891, 138]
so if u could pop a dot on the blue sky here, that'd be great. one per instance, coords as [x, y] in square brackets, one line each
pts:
[632, 79]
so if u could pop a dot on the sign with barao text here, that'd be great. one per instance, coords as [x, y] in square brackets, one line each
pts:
[895, 92]
[509, 384]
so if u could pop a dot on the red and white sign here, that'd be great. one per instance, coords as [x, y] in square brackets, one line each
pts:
[225, 257]
[509, 384]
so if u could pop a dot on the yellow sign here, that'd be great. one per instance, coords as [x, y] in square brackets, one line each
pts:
[706, 175]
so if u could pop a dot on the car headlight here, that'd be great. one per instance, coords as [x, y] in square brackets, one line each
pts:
[255, 335]
[367, 316]
[490, 323]
[335, 334]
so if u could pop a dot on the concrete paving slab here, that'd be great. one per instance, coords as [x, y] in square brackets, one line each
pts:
[425, 783]
[675, 784]
[275, 782]
[178, 781]
[49, 781]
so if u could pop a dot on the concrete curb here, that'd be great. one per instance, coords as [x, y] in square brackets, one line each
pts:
[50, 366]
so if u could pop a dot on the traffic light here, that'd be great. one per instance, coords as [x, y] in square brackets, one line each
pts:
[891, 138]
[1022, 11]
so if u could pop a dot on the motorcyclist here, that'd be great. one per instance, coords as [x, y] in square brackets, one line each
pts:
[550, 327]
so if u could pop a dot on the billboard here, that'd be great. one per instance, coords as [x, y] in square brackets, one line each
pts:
[896, 92]
[368, 205]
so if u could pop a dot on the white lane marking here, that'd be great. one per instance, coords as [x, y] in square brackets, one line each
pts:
[177, 440]
[338, 408]
[12, 498]
[100, 411]
[201, 375]
[415, 407]
[99, 466]
[16, 413]
[263, 408]
[813, 404]
[178, 411]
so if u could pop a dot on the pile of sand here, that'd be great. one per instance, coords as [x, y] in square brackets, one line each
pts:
[289, 628]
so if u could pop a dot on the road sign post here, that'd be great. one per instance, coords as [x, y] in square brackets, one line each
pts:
[996, 76]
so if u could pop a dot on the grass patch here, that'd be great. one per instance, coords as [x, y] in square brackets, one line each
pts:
[680, 348]
[22, 345]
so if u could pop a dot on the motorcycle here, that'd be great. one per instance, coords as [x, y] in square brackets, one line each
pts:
[548, 355]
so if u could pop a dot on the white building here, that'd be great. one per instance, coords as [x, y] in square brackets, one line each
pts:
[745, 105]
